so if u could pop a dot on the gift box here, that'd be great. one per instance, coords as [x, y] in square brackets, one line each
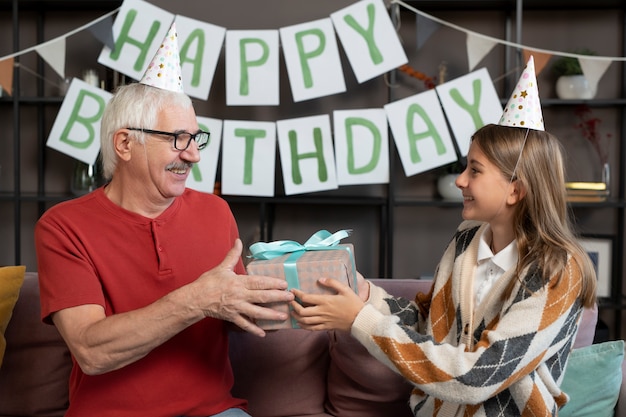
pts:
[302, 266]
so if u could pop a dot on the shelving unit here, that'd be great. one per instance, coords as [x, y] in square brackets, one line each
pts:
[400, 228]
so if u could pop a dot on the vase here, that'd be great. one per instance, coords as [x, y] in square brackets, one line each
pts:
[574, 87]
[85, 178]
[606, 176]
[447, 188]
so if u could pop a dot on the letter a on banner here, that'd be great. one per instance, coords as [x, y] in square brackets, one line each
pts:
[138, 30]
[369, 39]
[76, 129]
[200, 45]
[470, 102]
[420, 133]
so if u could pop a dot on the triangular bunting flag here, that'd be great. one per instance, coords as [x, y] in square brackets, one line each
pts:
[54, 54]
[594, 69]
[425, 28]
[6, 75]
[540, 58]
[477, 48]
[103, 31]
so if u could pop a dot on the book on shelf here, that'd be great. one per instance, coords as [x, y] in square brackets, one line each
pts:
[586, 192]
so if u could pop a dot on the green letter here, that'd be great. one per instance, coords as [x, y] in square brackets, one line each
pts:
[357, 121]
[86, 121]
[304, 57]
[197, 60]
[249, 135]
[143, 47]
[368, 34]
[417, 110]
[471, 109]
[245, 64]
[318, 154]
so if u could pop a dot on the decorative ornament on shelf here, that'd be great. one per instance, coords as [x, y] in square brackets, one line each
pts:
[446, 182]
[589, 126]
[571, 82]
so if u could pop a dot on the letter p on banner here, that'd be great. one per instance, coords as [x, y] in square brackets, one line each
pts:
[76, 130]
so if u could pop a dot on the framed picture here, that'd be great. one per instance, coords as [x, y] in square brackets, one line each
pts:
[600, 251]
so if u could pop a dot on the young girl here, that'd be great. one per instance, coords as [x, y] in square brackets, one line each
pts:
[494, 334]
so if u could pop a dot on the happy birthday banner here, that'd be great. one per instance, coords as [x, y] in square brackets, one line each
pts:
[314, 156]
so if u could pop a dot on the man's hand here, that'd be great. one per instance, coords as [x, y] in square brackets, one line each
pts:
[221, 293]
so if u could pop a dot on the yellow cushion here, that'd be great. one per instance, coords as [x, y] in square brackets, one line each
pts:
[11, 279]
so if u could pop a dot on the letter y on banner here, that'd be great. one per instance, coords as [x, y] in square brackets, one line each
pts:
[369, 39]
[470, 102]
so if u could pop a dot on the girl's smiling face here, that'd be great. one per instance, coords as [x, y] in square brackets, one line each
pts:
[487, 195]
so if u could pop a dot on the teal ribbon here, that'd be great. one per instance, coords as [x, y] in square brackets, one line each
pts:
[321, 240]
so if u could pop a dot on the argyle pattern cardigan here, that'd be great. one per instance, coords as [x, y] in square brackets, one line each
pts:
[505, 358]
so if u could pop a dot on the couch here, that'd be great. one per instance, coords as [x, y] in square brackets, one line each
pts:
[287, 373]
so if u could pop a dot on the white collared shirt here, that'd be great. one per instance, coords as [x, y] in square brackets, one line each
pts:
[491, 267]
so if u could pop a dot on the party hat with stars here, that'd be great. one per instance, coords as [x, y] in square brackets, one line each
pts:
[164, 70]
[524, 108]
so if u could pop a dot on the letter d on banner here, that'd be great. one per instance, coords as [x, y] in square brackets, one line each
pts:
[76, 130]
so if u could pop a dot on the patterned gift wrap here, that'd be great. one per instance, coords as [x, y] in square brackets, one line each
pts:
[302, 268]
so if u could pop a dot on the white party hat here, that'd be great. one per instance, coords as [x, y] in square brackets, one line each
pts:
[524, 107]
[164, 70]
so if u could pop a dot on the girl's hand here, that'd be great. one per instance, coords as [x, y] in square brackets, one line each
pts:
[327, 311]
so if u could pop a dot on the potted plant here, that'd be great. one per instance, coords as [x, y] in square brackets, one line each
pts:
[571, 82]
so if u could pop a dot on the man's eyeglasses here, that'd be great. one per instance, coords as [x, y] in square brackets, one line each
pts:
[181, 139]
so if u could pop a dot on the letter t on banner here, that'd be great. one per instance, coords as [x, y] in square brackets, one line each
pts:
[369, 39]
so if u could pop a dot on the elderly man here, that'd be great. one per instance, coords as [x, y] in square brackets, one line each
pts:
[142, 276]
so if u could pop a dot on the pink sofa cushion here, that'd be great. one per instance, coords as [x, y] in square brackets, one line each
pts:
[37, 364]
[283, 374]
[360, 385]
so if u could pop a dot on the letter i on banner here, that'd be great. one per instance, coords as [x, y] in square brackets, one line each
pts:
[138, 30]
[76, 129]
[470, 102]
[361, 146]
[203, 173]
[252, 68]
[306, 154]
[369, 39]
[248, 158]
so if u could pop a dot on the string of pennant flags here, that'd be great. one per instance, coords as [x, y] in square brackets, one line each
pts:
[478, 46]
[315, 155]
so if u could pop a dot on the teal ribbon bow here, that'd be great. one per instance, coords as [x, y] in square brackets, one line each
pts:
[321, 240]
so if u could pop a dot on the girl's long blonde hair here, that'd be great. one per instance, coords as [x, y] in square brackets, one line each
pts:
[542, 222]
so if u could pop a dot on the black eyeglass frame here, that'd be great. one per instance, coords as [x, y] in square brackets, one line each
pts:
[175, 135]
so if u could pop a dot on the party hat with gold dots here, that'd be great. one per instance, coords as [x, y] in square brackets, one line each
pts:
[524, 107]
[164, 70]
